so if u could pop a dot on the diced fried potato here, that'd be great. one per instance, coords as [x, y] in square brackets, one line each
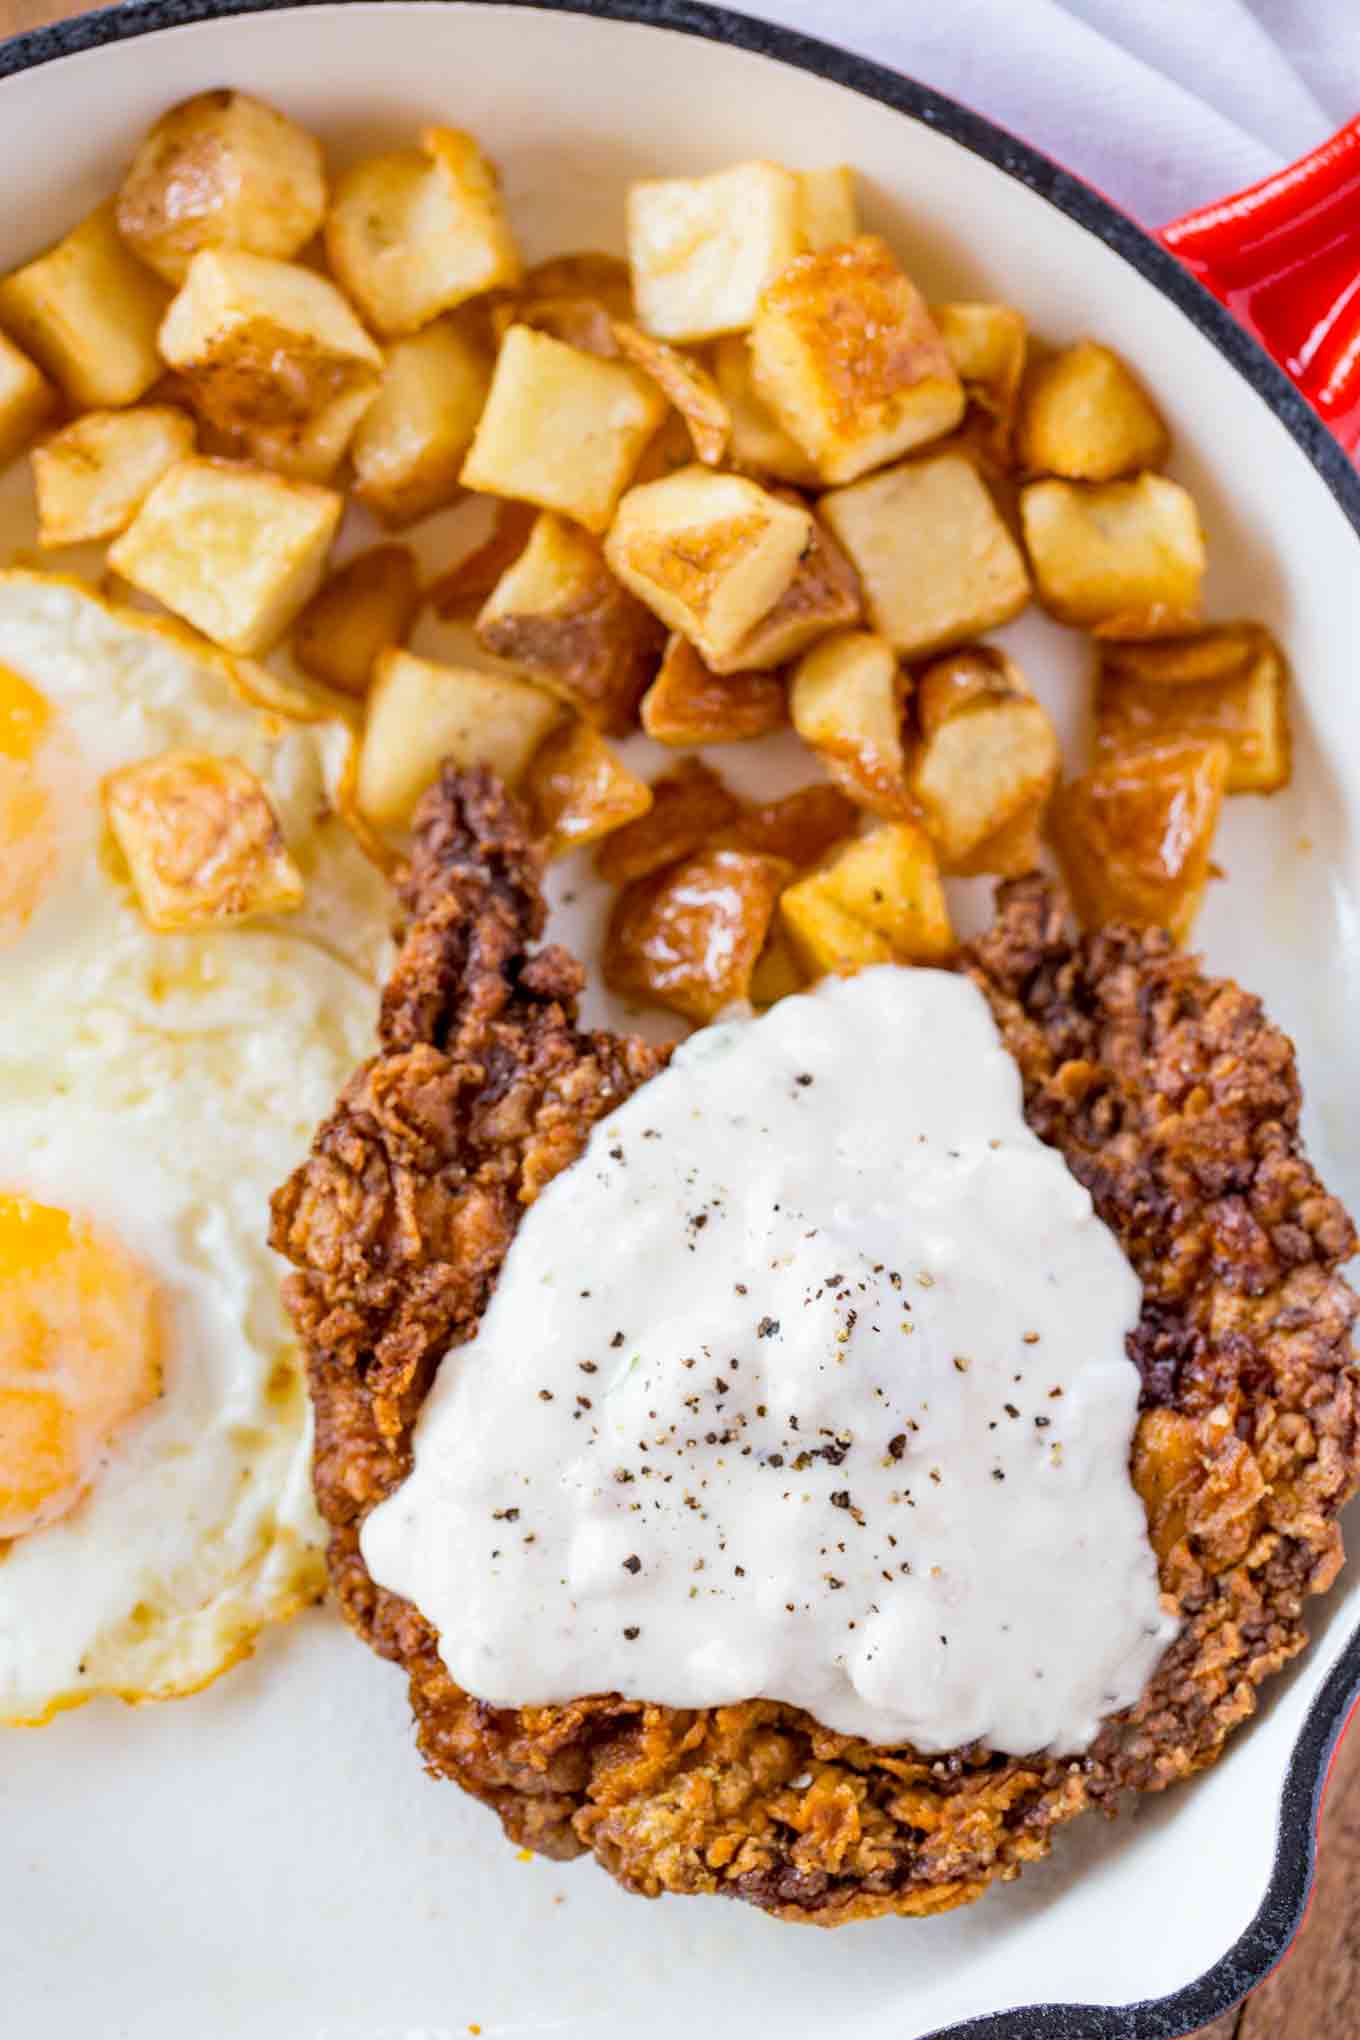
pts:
[202, 843]
[573, 297]
[1134, 835]
[27, 400]
[1221, 651]
[93, 476]
[824, 595]
[688, 937]
[1011, 851]
[577, 322]
[710, 554]
[366, 605]
[1245, 707]
[778, 973]
[561, 429]
[1123, 558]
[827, 208]
[420, 714]
[846, 701]
[559, 613]
[461, 591]
[269, 347]
[702, 249]
[799, 827]
[987, 344]
[584, 274]
[410, 447]
[1084, 415]
[578, 790]
[877, 900]
[669, 449]
[221, 170]
[413, 234]
[846, 355]
[686, 384]
[689, 805]
[758, 441]
[89, 312]
[233, 550]
[311, 449]
[688, 703]
[987, 752]
[934, 558]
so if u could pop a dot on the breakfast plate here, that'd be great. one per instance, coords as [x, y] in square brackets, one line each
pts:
[266, 1860]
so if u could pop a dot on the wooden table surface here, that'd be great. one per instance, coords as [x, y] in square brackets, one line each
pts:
[1315, 1994]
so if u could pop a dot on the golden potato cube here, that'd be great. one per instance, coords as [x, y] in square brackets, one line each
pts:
[558, 612]
[1011, 851]
[1122, 558]
[93, 476]
[877, 900]
[413, 234]
[688, 937]
[824, 595]
[710, 554]
[420, 714]
[561, 428]
[311, 449]
[582, 323]
[686, 384]
[231, 549]
[688, 703]
[987, 752]
[202, 843]
[578, 790]
[266, 346]
[702, 249]
[934, 558]
[799, 827]
[221, 170]
[584, 274]
[1134, 835]
[410, 447]
[365, 606]
[1220, 651]
[89, 312]
[987, 344]
[846, 700]
[689, 806]
[27, 400]
[778, 973]
[459, 593]
[844, 352]
[757, 440]
[828, 211]
[1246, 708]
[1084, 415]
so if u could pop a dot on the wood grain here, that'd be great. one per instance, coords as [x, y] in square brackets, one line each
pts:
[1315, 1994]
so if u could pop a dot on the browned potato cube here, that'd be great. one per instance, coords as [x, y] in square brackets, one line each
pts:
[202, 843]
[934, 558]
[987, 345]
[847, 357]
[1123, 558]
[778, 973]
[686, 384]
[1220, 651]
[93, 476]
[221, 171]
[561, 428]
[824, 595]
[420, 713]
[688, 937]
[758, 441]
[88, 312]
[1011, 851]
[460, 593]
[1085, 416]
[710, 554]
[827, 208]
[412, 234]
[689, 805]
[560, 614]
[366, 605]
[877, 900]
[799, 827]
[702, 249]
[27, 400]
[846, 701]
[577, 790]
[987, 751]
[1245, 707]
[582, 323]
[584, 274]
[688, 703]
[1134, 836]
[409, 450]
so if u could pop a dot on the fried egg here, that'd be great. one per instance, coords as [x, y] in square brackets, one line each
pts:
[155, 1503]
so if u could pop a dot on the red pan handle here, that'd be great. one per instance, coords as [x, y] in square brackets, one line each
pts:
[1284, 257]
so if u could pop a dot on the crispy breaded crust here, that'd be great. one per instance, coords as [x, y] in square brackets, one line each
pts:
[1172, 1098]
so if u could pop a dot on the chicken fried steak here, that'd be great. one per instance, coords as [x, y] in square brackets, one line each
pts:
[1172, 1099]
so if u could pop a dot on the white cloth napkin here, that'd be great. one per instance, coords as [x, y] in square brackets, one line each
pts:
[1164, 104]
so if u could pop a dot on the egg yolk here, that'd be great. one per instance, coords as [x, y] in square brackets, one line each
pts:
[28, 844]
[79, 1357]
